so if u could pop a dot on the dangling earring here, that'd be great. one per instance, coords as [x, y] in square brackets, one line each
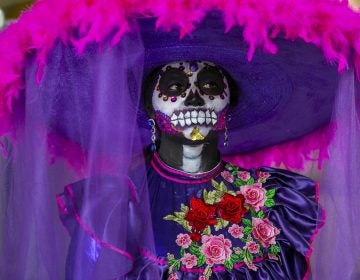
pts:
[226, 136]
[153, 134]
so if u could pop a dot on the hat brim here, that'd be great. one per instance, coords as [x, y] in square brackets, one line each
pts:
[283, 96]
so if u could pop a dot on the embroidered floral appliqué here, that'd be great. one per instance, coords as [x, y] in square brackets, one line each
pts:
[237, 212]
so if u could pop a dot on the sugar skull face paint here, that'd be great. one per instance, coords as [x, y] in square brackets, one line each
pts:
[191, 98]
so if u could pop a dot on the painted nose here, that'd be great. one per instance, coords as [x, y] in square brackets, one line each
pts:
[194, 99]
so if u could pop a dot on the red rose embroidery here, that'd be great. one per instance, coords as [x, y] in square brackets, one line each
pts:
[231, 208]
[200, 214]
[195, 237]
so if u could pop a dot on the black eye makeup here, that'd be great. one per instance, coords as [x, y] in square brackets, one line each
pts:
[210, 81]
[173, 82]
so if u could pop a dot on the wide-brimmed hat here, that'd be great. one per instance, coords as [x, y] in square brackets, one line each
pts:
[281, 97]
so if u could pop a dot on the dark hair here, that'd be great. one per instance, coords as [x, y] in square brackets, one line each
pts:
[148, 86]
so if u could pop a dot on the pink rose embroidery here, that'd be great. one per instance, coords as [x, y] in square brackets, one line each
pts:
[173, 276]
[255, 195]
[189, 260]
[264, 231]
[183, 240]
[263, 175]
[253, 247]
[227, 176]
[244, 175]
[216, 249]
[273, 257]
[252, 266]
[236, 231]
[202, 277]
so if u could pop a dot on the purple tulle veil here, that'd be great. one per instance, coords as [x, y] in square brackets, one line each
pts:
[335, 250]
[33, 170]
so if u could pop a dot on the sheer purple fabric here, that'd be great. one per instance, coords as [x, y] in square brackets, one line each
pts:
[85, 109]
[336, 254]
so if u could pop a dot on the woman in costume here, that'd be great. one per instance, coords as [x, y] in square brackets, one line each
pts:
[211, 220]
[179, 214]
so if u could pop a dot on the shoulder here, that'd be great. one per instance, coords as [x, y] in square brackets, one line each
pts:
[270, 177]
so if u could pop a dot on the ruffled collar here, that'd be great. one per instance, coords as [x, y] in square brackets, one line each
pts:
[179, 176]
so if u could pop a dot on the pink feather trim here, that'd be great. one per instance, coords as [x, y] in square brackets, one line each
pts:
[293, 155]
[328, 24]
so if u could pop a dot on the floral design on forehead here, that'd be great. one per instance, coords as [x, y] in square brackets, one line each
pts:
[191, 98]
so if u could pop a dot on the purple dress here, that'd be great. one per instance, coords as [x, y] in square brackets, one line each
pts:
[227, 223]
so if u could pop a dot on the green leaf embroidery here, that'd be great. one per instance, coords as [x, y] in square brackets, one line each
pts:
[208, 272]
[171, 262]
[182, 252]
[215, 184]
[185, 224]
[221, 224]
[174, 264]
[242, 255]
[170, 257]
[201, 260]
[270, 193]
[260, 214]
[212, 197]
[236, 258]
[180, 215]
[269, 202]
[274, 249]
[253, 212]
[239, 183]
[246, 222]
[247, 230]
[231, 192]
[207, 231]
[229, 264]
[248, 256]
[229, 166]
[184, 208]
[219, 187]
[251, 181]
[194, 249]
[169, 217]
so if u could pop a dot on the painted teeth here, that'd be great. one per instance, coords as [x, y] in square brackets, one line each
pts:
[201, 117]
[174, 120]
[181, 122]
[193, 118]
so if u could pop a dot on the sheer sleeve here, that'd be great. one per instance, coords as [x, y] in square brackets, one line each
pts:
[106, 221]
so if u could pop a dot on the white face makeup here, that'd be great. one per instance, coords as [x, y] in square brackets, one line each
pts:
[191, 98]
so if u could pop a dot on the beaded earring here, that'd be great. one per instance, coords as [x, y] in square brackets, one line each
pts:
[226, 135]
[151, 123]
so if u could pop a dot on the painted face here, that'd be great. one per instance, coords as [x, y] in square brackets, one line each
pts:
[191, 98]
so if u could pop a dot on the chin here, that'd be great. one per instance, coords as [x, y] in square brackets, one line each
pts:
[206, 132]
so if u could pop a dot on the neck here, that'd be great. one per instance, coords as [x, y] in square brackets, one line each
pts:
[187, 156]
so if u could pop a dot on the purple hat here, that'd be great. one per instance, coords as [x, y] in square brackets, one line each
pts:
[282, 96]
